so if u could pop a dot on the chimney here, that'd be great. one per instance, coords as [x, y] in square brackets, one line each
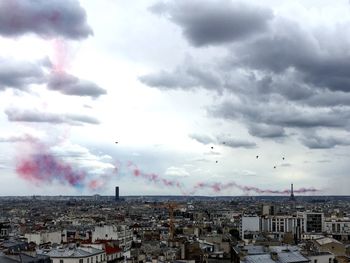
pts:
[243, 253]
[274, 256]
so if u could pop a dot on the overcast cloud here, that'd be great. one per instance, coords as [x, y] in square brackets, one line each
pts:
[19, 74]
[188, 89]
[19, 115]
[215, 22]
[46, 19]
[70, 85]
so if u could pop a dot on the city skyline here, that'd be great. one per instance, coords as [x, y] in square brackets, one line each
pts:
[209, 98]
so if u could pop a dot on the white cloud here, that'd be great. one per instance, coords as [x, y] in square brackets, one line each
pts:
[83, 158]
[176, 171]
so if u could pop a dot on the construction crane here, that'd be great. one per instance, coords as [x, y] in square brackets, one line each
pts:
[171, 206]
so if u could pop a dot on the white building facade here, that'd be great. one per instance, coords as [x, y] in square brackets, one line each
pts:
[111, 232]
[44, 237]
[249, 224]
[75, 255]
[337, 225]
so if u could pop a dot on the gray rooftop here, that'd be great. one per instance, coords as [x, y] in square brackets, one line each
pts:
[283, 257]
[254, 250]
[71, 252]
[265, 258]
[289, 257]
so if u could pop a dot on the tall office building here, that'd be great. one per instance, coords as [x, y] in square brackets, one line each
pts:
[117, 193]
[314, 222]
[292, 197]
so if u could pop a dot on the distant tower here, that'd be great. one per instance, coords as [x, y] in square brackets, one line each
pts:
[292, 198]
[117, 193]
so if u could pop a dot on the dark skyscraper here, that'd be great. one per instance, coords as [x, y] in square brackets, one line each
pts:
[292, 198]
[117, 193]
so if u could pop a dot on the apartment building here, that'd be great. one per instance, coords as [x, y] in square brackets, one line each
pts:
[73, 254]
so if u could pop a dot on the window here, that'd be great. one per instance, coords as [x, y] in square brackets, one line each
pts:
[315, 260]
[61, 261]
[330, 260]
[273, 226]
[88, 260]
[81, 260]
[96, 259]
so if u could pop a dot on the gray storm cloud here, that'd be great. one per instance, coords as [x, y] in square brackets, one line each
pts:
[44, 18]
[17, 138]
[223, 140]
[20, 115]
[182, 78]
[19, 74]
[71, 85]
[215, 22]
[266, 131]
[279, 76]
[315, 141]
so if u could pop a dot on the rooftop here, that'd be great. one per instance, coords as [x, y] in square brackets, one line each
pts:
[327, 240]
[70, 252]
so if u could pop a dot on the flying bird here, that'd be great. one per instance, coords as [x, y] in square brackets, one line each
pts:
[282, 158]
[274, 167]
[257, 156]
[216, 161]
[116, 142]
[212, 147]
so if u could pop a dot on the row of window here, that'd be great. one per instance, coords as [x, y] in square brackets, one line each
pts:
[329, 260]
[98, 259]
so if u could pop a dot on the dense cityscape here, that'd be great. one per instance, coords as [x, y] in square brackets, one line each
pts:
[100, 229]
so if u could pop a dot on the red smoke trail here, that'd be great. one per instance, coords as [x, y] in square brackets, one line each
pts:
[117, 166]
[46, 168]
[61, 58]
[40, 166]
[219, 187]
[216, 187]
[152, 177]
[96, 184]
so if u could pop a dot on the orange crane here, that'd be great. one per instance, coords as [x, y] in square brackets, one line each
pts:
[171, 207]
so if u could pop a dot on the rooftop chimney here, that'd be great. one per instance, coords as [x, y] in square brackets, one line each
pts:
[274, 256]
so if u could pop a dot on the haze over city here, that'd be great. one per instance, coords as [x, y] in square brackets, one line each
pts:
[174, 97]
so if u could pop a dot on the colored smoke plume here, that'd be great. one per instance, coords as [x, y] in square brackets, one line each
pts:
[40, 166]
[216, 187]
[219, 187]
[61, 57]
[46, 168]
[152, 177]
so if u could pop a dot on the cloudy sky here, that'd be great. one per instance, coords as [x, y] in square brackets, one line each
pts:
[213, 97]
